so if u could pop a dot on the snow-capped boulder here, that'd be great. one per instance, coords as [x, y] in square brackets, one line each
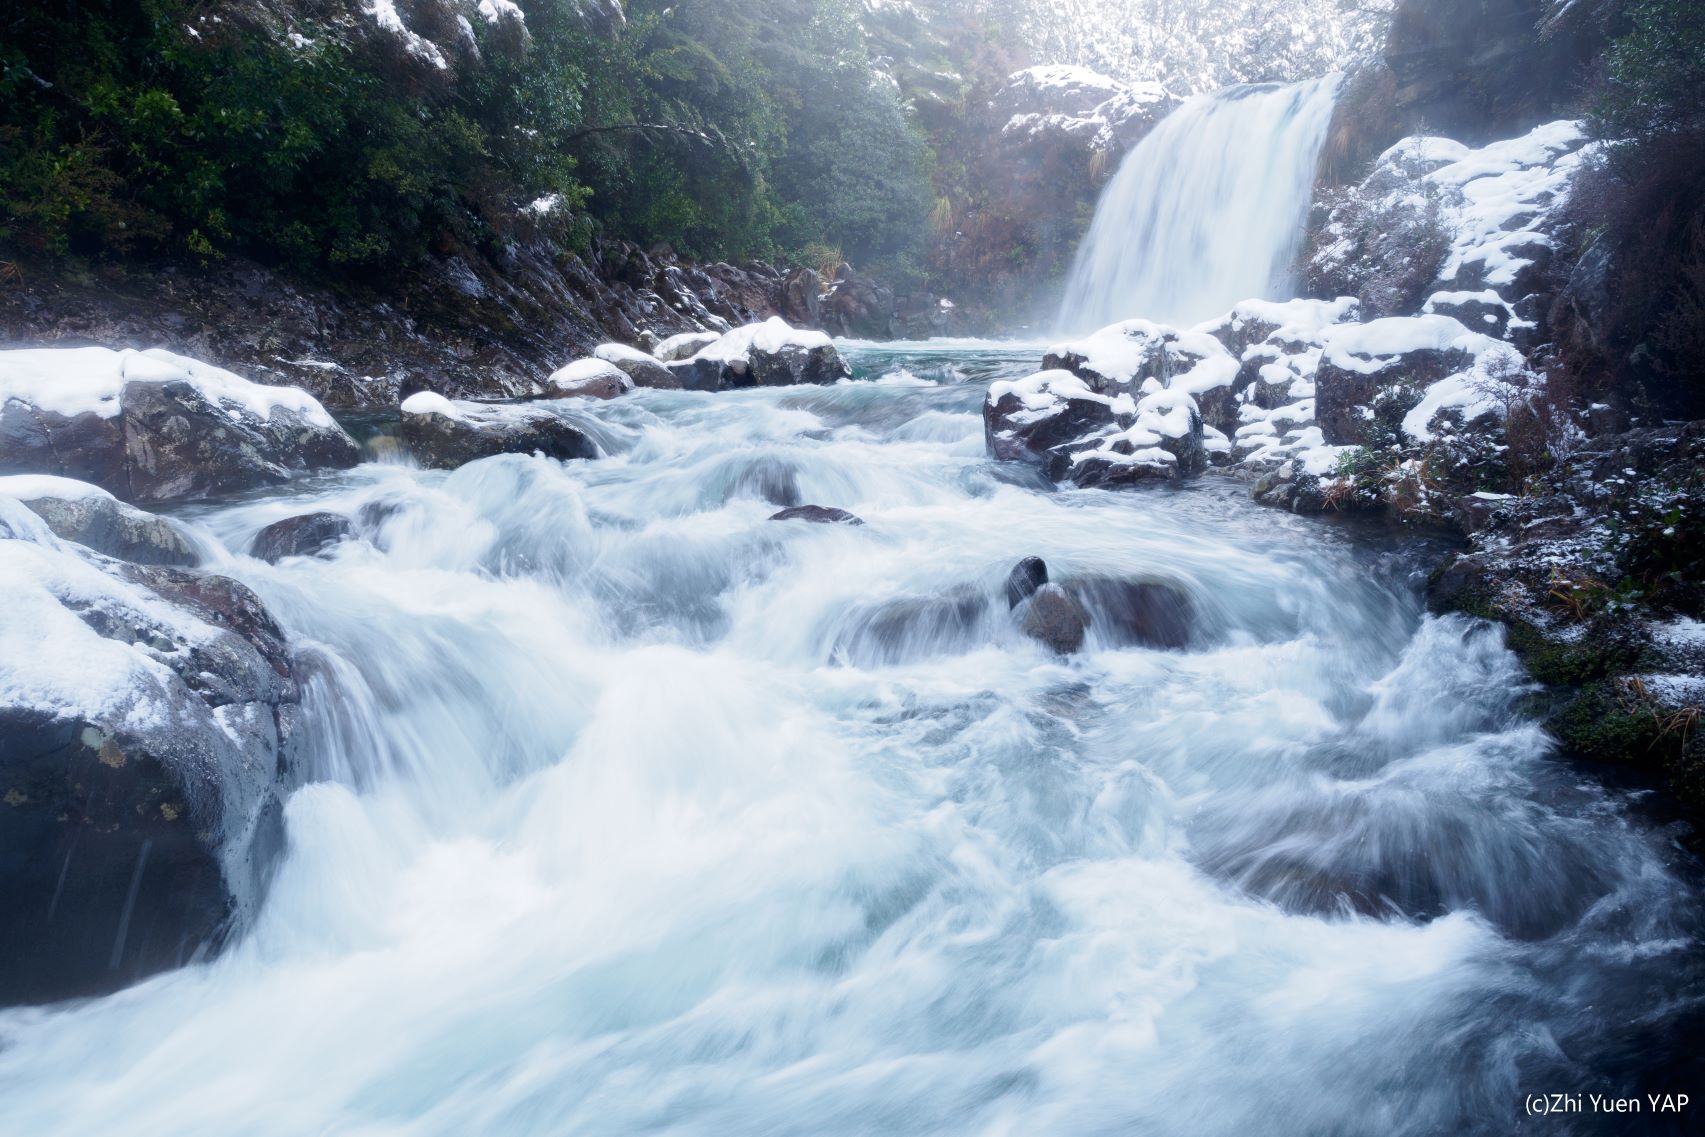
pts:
[770, 354]
[146, 715]
[1030, 420]
[684, 346]
[588, 379]
[444, 435]
[1057, 421]
[1136, 354]
[92, 517]
[306, 536]
[644, 369]
[152, 426]
[1164, 440]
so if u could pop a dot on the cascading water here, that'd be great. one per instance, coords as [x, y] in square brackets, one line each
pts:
[1208, 210]
[627, 810]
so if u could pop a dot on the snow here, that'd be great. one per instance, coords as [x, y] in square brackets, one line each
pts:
[86, 675]
[1042, 390]
[1368, 348]
[1122, 351]
[90, 380]
[1480, 390]
[686, 344]
[1169, 413]
[384, 13]
[587, 371]
[1294, 320]
[771, 337]
[542, 207]
[622, 353]
[429, 403]
[498, 11]
[35, 487]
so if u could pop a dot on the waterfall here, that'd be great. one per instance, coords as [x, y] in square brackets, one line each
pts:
[1208, 210]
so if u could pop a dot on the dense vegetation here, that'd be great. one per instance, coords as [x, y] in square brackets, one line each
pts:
[728, 128]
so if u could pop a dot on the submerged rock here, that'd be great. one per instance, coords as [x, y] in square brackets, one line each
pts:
[444, 435]
[305, 536]
[1055, 619]
[92, 517]
[818, 514]
[153, 426]
[1135, 613]
[139, 763]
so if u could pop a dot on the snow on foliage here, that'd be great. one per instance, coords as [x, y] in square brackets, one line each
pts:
[1195, 46]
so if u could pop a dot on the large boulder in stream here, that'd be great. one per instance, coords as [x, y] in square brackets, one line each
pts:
[444, 435]
[146, 717]
[153, 427]
[770, 354]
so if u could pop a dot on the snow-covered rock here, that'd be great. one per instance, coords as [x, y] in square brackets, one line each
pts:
[92, 517]
[1061, 103]
[644, 369]
[685, 346]
[153, 426]
[444, 435]
[146, 715]
[1440, 227]
[770, 354]
[1059, 422]
[589, 379]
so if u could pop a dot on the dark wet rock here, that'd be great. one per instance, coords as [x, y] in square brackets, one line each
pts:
[1053, 617]
[1477, 71]
[141, 814]
[305, 536]
[860, 307]
[445, 435]
[100, 522]
[918, 628]
[819, 515]
[1026, 577]
[1135, 613]
[801, 298]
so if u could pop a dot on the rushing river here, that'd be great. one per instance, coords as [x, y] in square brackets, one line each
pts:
[625, 810]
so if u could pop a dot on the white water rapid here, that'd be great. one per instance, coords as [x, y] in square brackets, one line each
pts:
[625, 810]
[1208, 210]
